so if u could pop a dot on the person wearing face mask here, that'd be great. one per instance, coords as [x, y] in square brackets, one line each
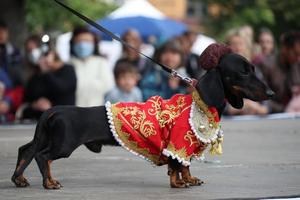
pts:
[94, 77]
[32, 55]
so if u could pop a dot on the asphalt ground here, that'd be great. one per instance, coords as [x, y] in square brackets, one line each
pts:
[261, 159]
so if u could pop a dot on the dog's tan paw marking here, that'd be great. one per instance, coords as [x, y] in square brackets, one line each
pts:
[179, 184]
[20, 181]
[194, 181]
[52, 184]
[56, 182]
[180, 181]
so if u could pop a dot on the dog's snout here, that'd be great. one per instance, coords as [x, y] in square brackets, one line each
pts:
[270, 93]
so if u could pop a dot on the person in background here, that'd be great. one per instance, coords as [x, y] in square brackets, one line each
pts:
[290, 59]
[4, 105]
[2, 90]
[126, 90]
[240, 46]
[10, 57]
[267, 55]
[266, 42]
[10, 100]
[53, 84]
[247, 33]
[282, 73]
[191, 59]
[158, 82]
[94, 77]
[133, 38]
[237, 43]
[10, 76]
[294, 104]
[33, 53]
[267, 61]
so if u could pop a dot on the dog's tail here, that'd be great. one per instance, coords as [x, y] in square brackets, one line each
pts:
[40, 139]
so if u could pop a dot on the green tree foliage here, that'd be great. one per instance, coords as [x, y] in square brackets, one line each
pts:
[277, 15]
[46, 15]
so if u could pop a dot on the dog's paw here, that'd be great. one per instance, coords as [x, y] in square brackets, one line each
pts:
[194, 181]
[20, 181]
[179, 184]
[52, 184]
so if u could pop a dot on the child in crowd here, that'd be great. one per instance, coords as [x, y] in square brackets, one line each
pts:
[126, 90]
[158, 82]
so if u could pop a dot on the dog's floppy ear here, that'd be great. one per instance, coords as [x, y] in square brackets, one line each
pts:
[211, 89]
[227, 67]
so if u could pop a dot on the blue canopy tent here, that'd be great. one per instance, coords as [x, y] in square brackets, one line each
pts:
[162, 29]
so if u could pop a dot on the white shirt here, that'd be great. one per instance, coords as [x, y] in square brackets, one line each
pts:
[94, 79]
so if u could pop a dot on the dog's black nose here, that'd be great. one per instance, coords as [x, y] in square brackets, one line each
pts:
[270, 93]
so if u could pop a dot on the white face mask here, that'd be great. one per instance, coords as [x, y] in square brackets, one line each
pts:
[34, 56]
[83, 49]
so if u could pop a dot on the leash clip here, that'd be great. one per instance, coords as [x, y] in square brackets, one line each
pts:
[192, 82]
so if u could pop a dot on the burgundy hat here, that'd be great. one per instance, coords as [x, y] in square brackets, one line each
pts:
[211, 56]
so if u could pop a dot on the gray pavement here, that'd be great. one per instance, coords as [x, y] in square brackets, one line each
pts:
[261, 159]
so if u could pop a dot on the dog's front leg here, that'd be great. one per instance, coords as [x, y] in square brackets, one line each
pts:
[174, 169]
[186, 176]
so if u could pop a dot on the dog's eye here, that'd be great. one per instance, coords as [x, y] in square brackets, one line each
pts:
[244, 73]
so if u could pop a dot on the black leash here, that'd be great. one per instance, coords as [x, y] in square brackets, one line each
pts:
[174, 73]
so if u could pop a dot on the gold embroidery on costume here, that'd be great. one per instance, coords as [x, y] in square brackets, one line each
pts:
[138, 119]
[190, 137]
[156, 106]
[169, 113]
[179, 152]
[129, 143]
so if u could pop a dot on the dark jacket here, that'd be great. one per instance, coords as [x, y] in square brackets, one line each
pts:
[58, 87]
[11, 63]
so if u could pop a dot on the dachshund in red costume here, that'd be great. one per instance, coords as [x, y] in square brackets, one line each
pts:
[165, 132]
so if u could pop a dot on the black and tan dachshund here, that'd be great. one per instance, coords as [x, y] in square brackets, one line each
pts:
[62, 129]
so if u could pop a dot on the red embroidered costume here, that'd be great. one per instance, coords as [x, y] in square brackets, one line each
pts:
[180, 127]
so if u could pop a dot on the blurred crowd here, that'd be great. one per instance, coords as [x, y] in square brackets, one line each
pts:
[37, 79]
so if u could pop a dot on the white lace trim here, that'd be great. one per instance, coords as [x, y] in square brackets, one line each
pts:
[116, 136]
[168, 153]
[218, 132]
